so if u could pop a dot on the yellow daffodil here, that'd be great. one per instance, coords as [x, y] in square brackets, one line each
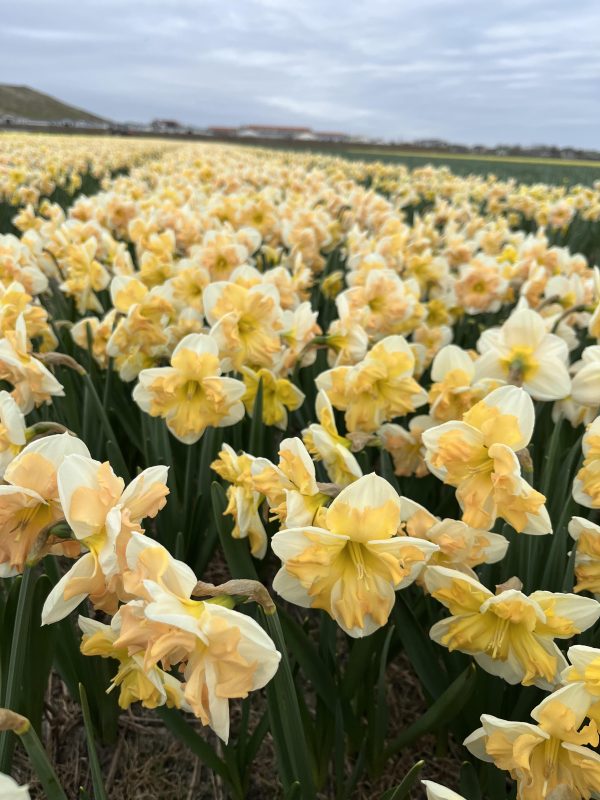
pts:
[279, 395]
[29, 501]
[244, 500]
[32, 383]
[523, 352]
[454, 390]
[325, 444]
[460, 546]
[549, 759]
[290, 487]
[151, 686]
[102, 514]
[509, 634]
[351, 567]
[231, 655]
[478, 456]
[12, 430]
[191, 394]
[377, 389]
[586, 485]
[586, 535]
[406, 447]
[245, 322]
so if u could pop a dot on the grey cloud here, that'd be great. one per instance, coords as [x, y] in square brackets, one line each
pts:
[517, 70]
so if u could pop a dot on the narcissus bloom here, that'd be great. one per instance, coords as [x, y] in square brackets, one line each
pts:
[522, 351]
[244, 500]
[405, 445]
[509, 634]
[478, 455]
[587, 557]
[279, 395]
[586, 486]
[29, 501]
[245, 322]
[460, 546]
[291, 486]
[325, 444]
[102, 514]
[351, 567]
[10, 789]
[12, 430]
[548, 756]
[454, 390]
[232, 655]
[191, 394]
[151, 686]
[32, 383]
[435, 791]
[585, 673]
[377, 389]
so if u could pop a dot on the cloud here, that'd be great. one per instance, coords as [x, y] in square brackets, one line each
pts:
[520, 70]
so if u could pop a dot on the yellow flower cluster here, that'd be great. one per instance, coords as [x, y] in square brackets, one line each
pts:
[386, 330]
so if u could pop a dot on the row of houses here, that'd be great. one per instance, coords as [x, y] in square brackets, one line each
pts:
[298, 133]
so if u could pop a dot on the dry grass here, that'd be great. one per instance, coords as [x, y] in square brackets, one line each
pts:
[148, 763]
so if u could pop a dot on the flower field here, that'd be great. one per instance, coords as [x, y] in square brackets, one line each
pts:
[286, 440]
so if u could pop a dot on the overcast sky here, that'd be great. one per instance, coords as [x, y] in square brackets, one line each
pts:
[488, 71]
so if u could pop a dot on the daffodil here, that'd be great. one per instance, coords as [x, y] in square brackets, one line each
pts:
[102, 513]
[586, 535]
[191, 394]
[405, 445]
[461, 547]
[245, 322]
[29, 501]
[435, 791]
[32, 383]
[584, 672]
[523, 352]
[12, 430]
[478, 456]
[290, 487]
[509, 634]
[279, 395]
[454, 389]
[10, 789]
[586, 485]
[231, 656]
[377, 389]
[244, 500]
[151, 686]
[549, 759]
[353, 565]
[325, 444]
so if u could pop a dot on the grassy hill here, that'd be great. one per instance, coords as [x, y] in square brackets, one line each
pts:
[21, 101]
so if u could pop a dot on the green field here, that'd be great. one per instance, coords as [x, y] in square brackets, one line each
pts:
[525, 170]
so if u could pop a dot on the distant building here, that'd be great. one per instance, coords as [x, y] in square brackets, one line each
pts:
[273, 131]
[166, 125]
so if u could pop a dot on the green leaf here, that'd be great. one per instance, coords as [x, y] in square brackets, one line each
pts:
[419, 648]
[443, 710]
[469, 782]
[14, 692]
[97, 781]
[309, 660]
[290, 738]
[402, 790]
[41, 764]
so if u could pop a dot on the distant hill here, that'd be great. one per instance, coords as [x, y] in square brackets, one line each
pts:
[21, 101]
